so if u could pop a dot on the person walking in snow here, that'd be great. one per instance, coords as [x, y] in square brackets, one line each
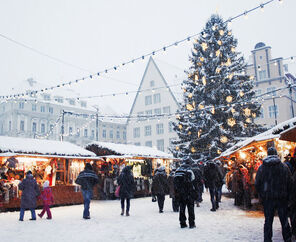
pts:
[273, 184]
[213, 179]
[160, 186]
[126, 183]
[175, 202]
[185, 193]
[47, 199]
[87, 179]
[198, 183]
[30, 192]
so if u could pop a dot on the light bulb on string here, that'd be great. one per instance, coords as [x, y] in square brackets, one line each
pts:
[246, 15]
[281, 1]
[262, 7]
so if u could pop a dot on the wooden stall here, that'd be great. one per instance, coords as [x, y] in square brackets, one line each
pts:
[114, 157]
[248, 154]
[57, 162]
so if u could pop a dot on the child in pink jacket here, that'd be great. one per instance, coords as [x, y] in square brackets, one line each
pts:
[47, 198]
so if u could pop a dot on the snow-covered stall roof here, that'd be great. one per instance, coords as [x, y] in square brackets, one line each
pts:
[272, 133]
[43, 147]
[131, 150]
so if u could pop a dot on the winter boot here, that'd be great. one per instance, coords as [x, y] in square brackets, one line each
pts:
[213, 209]
[127, 213]
[197, 204]
[122, 212]
[183, 226]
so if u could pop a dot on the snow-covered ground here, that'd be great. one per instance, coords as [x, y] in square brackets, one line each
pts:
[145, 224]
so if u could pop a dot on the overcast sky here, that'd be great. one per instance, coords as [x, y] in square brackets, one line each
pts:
[95, 34]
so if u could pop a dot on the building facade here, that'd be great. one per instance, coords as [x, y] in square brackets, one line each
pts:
[270, 75]
[154, 106]
[43, 118]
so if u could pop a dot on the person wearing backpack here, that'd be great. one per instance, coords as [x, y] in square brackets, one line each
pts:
[185, 193]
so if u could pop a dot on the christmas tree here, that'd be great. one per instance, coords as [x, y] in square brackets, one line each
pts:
[219, 107]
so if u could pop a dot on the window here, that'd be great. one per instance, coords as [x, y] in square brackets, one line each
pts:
[92, 134]
[124, 135]
[34, 107]
[160, 144]
[271, 91]
[21, 105]
[71, 102]
[148, 130]
[152, 83]
[262, 75]
[42, 109]
[78, 132]
[111, 134]
[159, 128]
[258, 92]
[104, 133]
[51, 128]
[148, 143]
[22, 125]
[166, 110]
[85, 133]
[70, 131]
[148, 112]
[46, 97]
[157, 111]
[136, 132]
[140, 116]
[59, 99]
[148, 100]
[171, 127]
[83, 104]
[138, 144]
[50, 110]
[156, 98]
[273, 111]
[34, 127]
[9, 126]
[117, 134]
[261, 113]
[42, 128]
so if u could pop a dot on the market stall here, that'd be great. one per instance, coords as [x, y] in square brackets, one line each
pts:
[57, 162]
[144, 160]
[247, 155]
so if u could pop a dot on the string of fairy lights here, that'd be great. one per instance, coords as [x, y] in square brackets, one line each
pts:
[131, 61]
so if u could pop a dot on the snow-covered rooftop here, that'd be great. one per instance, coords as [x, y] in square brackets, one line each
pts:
[40, 146]
[132, 150]
[272, 133]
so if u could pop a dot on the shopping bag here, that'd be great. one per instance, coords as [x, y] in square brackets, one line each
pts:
[117, 191]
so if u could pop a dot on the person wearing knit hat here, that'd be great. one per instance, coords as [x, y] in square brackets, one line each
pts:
[47, 199]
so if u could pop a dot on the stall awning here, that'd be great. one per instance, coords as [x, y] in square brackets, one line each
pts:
[289, 135]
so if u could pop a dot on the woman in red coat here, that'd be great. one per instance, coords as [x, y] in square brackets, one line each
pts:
[47, 198]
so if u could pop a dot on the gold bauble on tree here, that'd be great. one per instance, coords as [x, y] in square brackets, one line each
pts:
[223, 139]
[231, 122]
[229, 99]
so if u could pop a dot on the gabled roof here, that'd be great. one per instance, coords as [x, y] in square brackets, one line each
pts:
[130, 150]
[152, 62]
[41, 146]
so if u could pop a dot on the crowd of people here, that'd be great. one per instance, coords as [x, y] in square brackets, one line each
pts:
[275, 185]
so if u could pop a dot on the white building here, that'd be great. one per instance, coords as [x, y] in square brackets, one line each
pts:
[41, 117]
[271, 74]
[156, 99]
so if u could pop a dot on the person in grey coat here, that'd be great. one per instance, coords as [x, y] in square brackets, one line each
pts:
[30, 192]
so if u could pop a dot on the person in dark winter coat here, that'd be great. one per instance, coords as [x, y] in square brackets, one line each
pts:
[213, 179]
[292, 202]
[160, 186]
[87, 179]
[185, 193]
[126, 183]
[198, 183]
[30, 192]
[175, 202]
[273, 184]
